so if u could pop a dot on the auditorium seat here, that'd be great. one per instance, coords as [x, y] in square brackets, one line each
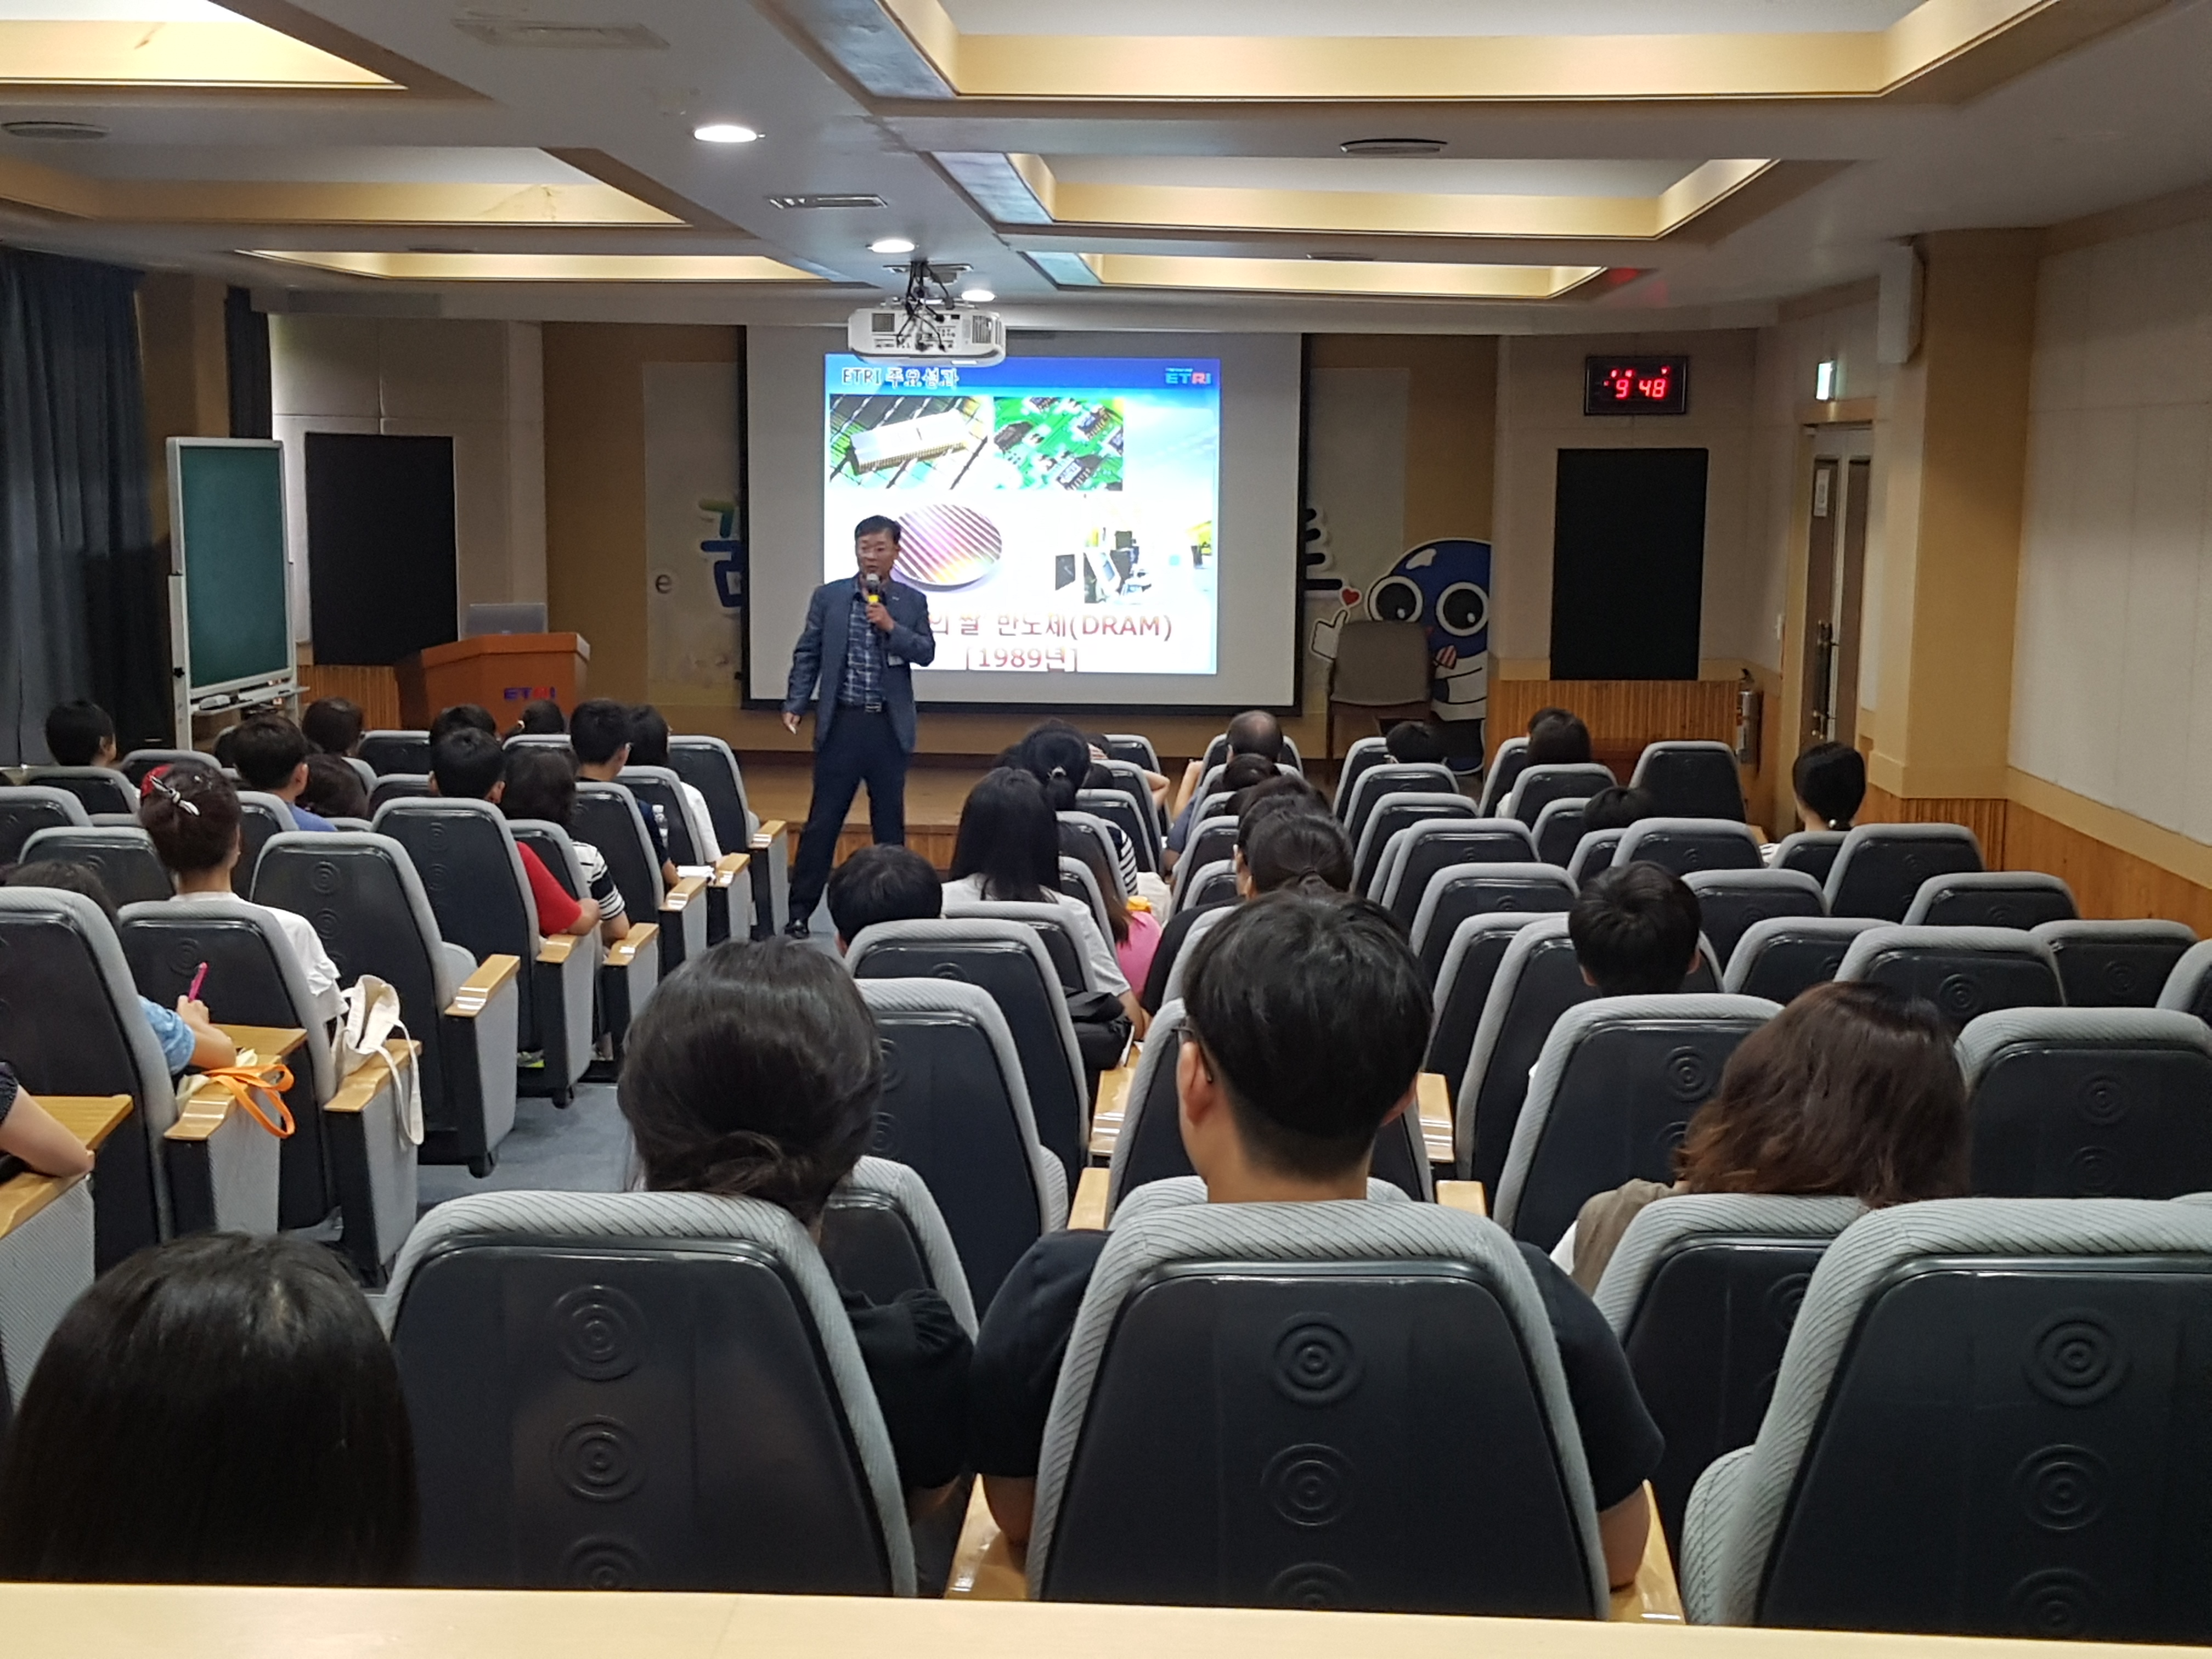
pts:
[1470, 966]
[1365, 752]
[1318, 1335]
[1393, 778]
[2189, 986]
[655, 787]
[1731, 901]
[1210, 783]
[1989, 1421]
[2089, 1102]
[728, 904]
[122, 857]
[1538, 980]
[397, 786]
[1702, 1291]
[361, 770]
[608, 815]
[1008, 961]
[465, 858]
[559, 740]
[1178, 971]
[140, 762]
[1880, 866]
[260, 817]
[1211, 840]
[709, 766]
[1419, 851]
[1991, 898]
[1071, 963]
[1150, 1148]
[1209, 882]
[629, 970]
[1539, 785]
[669, 1398]
[883, 1234]
[1594, 855]
[956, 1110]
[1217, 753]
[1690, 779]
[1460, 891]
[27, 809]
[1090, 826]
[1559, 829]
[47, 1255]
[357, 1158]
[2114, 964]
[1812, 851]
[1683, 845]
[1076, 881]
[1963, 971]
[367, 904]
[100, 788]
[387, 752]
[1782, 956]
[1134, 817]
[1506, 767]
[1616, 1084]
[1398, 811]
[1136, 749]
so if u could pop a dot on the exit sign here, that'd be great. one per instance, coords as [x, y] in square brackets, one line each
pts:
[1635, 385]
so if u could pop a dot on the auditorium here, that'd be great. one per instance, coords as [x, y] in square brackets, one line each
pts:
[1252, 827]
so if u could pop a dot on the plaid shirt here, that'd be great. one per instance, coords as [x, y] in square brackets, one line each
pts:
[863, 680]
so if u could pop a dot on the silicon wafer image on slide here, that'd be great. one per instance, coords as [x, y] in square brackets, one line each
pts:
[1062, 443]
[905, 443]
[945, 545]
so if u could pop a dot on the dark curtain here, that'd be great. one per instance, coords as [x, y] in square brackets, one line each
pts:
[85, 612]
[245, 345]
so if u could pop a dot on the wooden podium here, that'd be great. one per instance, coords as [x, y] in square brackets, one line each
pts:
[502, 671]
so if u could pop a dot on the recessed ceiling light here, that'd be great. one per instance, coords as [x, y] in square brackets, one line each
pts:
[831, 199]
[1393, 147]
[890, 244]
[724, 132]
[54, 131]
[977, 296]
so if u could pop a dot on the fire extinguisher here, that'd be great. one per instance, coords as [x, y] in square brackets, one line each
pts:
[1747, 707]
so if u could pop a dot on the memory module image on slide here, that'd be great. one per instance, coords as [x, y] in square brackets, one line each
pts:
[896, 443]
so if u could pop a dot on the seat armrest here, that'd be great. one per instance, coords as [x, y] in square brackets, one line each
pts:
[1112, 1105]
[1089, 1209]
[364, 1080]
[25, 1195]
[984, 1565]
[730, 866]
[766, 836]
[90, 1118]
[1462, 1195]
[1654, 1598]
[481, 986]
[626, 949]
[679, 896]
[1432, 1098]
[553, 952]
[271, 1042]
[200, 1112]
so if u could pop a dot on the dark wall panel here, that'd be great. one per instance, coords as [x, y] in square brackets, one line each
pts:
[380, 559]
[1628, 564]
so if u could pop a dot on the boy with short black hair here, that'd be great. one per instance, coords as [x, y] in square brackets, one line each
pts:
[466, 764]
[1636, 931]
[1306, 1020]
[80, 734]
[1616, 808]
[1411, 741]
[271, 754]
[882, 884]
[648, 746]
[473, 715]
[1830, 781]
[599, 732]
[1558, 739]
[332, 724]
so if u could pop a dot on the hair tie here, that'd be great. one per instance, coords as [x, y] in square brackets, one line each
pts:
[1060, 771]
[157, 780]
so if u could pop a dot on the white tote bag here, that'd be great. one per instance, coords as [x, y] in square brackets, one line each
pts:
[372, 1016]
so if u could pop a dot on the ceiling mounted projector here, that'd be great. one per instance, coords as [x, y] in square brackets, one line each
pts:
[926, 324]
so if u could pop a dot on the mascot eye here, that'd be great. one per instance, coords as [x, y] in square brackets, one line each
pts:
[1396, 599]
[1463, 608]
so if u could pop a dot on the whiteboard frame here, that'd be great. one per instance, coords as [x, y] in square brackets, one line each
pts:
[186, 698]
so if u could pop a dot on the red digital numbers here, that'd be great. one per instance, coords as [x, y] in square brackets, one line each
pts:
[1653, 385]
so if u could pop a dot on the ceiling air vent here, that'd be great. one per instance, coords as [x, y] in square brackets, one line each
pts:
[542, 32]
[1393, 147]
[831, 200]
[64, 132]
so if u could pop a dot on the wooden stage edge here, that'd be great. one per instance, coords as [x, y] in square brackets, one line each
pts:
[779, 788]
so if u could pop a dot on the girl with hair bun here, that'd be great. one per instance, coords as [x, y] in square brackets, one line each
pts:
[754, 1072]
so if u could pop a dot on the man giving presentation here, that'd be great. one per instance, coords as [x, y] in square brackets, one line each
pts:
[863, 635]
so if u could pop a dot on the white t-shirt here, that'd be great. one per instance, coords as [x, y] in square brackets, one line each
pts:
[1105, 966]
[701, 822]
[315, 964]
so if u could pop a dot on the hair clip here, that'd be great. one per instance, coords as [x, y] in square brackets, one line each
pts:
[158, 779]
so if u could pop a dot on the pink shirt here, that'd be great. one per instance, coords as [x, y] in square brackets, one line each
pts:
[1135, 952]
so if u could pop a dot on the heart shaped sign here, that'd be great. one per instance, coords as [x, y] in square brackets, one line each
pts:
[1349, 595]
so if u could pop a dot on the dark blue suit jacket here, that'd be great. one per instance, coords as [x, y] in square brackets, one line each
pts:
[820, 654]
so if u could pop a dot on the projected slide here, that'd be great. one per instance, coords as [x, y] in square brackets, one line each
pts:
[1058, 511]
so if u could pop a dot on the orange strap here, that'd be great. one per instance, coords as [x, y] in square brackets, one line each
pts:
[271, 1081]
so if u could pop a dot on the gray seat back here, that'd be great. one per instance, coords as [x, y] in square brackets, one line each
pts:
[140, 762]
[1134, 747]
[1461, 890]
[1217, 754]
[1365, 753]
[1071, 963]
[1539, 785]
[1991, 898]
[1394, 778]
[1087, 829]
[1538, 980]
[1506, 767]
[708, 765]
[882, 1235]
[1433, 844]
[1210, 841]
[1615, 1087]
[1880, 866]
[1200, 924]
[397, 786]
[1008, 961]
[2089, 1102]
[465, 855]
[1963, 971]
[1989, 1421]
[607, 816]
[1558, 829]
[655, 787]
[70, 1025]
[1314, 1332]
[1690, 779]
[27, 809]
[555, 850]
[1210, 883]
[260, 817]
[387, 752]
[2189, 986]
[1780, 957]
[1077, 881]
[1594, 855]
[1683, 845]
[640, 1390]
[1134, 820]
[1470, 967]
[1812, 851]
[98, 788]
[2114, 964]
[122, 857]
[956, 1111]
[1731, 901]
[1392, 814]
[1702, 1291]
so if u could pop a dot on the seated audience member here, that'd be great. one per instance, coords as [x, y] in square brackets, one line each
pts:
[541, 717]
[225, 750]
[333, 789]
[1557, 739]
[471, 714]
[1616, 808]
[1306, 1021]
[1411, 741]
[1101, 752]
[470, 765]
[648, 746]
[29, 1134]
[1853, 1089]
[333, 727]
[1008, 850]
[80, 734]
[1276, 792]
[271, 754]
[1636, 931]
[1240, 773]
[1129, 921]
[1058, 756]
[218, 1410]
[754, 1072]
[600, 733]
[541, 784]
[1255, 731]
[187, 1033]
[882, 884]
[1830, 780]
[192, 816]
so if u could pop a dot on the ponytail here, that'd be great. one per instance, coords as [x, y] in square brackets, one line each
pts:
[1301, 848]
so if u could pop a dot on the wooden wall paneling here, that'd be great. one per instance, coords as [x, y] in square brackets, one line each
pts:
[375, 688]
[2107, 881]
[1985, 815]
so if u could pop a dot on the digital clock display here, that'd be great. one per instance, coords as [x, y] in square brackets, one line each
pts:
[1635, 385]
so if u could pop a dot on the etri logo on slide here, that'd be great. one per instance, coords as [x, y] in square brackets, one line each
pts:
[1059, 512]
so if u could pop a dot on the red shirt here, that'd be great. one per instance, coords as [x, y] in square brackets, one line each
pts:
[556, 911]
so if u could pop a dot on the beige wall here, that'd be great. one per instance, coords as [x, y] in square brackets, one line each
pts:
[480, 383]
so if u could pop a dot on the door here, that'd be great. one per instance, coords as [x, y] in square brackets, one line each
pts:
[1835, 582]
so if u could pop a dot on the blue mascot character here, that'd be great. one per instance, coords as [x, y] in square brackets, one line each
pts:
[1445, 586]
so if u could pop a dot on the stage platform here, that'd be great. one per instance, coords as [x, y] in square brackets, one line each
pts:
[778, 788]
